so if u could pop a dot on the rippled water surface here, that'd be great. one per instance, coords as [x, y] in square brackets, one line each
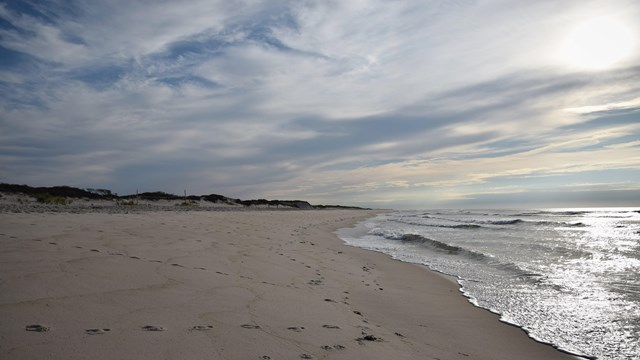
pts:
[569, 277]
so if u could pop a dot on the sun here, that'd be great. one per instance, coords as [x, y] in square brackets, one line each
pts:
[598, 44]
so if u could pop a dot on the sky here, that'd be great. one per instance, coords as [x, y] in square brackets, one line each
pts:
[388, 104]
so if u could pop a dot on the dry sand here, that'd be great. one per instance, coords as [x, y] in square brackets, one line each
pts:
[228, 285]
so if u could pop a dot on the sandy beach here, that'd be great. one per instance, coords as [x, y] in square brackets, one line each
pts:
[228, 285]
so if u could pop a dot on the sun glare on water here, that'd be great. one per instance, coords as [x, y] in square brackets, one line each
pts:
[598, 44]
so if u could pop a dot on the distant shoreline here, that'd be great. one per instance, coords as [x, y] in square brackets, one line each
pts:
[21, 198]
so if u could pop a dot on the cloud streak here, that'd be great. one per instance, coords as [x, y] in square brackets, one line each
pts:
[414, 104]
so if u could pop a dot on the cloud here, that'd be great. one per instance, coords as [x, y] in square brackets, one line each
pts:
[336, 101]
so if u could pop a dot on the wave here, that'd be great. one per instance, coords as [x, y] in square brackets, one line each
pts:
[476, 223]
[511, 268]
[556, 213]
[466, 226]
[460, 226]
[457, 226]
[506, 222]
[551, 223]
[410, 222]
[441, 246]
[520, 221]
[566, 213]
[533, 213]
[559, 223]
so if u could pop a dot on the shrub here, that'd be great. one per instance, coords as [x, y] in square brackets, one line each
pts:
[188, 203]
[49, 199]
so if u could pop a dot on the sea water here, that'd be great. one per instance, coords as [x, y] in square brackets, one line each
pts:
[568, 277]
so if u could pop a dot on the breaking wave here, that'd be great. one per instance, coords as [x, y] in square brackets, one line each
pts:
[441, 246]
[506, 222]
[476, 223]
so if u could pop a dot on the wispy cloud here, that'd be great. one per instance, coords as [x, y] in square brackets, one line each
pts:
[336, 101]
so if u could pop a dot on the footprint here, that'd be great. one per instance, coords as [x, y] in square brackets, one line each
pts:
[329, 300]
[95, 250]
[361, 340]
[265, 357]
[334, 347]
[201, 327]
[250, 326]
[37, 328]
[295, 328]
[306, 356]
[153, 328]
[177, 265]
[96, 331]
[331, 326]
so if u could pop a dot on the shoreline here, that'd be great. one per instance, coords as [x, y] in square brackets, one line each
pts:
[455, 281]
[230, 284]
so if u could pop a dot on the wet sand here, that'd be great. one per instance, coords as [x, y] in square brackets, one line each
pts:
[228, 285]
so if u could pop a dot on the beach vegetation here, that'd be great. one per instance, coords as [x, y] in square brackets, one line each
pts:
[46, 198]
[128, 203]
[188, 203]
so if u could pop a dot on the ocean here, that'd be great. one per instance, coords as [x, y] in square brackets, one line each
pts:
[568, 277]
